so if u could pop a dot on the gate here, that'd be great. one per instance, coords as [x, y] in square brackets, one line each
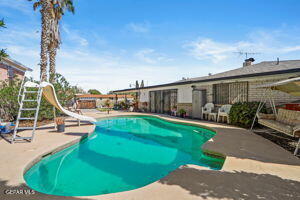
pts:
[198, 101]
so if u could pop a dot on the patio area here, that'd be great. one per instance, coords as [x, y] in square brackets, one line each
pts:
[255, 168]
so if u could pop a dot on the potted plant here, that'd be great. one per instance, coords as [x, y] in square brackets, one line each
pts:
[145, 106]
[123, 105]
[60, 124]
[107, 104]
[182, 113]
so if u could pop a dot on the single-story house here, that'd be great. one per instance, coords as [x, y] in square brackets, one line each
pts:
[99, 100]
[10, 69]
[237, 85]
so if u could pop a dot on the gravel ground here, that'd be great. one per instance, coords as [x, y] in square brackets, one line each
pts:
[285, 141]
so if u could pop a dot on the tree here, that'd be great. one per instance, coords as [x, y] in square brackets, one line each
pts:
[136, 84]
[51, 10]
[94, 91]
[58, 10]
[79, 90]
[142, 84]
[54, 45]
[2, 51]
[45, 9]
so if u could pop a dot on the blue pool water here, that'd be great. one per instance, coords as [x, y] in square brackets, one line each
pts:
[123, 153]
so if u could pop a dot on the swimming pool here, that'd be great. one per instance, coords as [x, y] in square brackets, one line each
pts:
[123, 153]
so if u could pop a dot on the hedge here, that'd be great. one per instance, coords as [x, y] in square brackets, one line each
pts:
[242, 114]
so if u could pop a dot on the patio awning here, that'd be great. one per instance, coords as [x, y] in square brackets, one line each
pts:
[290, 86]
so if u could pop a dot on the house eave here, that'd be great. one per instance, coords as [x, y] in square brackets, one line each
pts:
[213, 79]
[15, 64]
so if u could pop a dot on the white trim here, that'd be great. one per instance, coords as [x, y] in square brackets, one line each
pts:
[9, 65]
[6, 60]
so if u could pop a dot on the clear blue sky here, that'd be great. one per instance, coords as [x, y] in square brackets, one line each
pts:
[109, 44]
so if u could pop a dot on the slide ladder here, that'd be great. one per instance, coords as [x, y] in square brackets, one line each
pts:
[33, 92]
[30, 94]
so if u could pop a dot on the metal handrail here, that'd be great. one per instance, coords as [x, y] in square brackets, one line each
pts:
[21, 87]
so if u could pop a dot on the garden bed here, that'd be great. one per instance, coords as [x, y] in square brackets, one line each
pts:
[285, 141]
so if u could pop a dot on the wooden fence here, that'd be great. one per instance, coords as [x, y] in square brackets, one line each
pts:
[86, 104]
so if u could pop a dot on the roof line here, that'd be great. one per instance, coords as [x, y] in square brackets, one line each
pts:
[17, 63]
[216, 79]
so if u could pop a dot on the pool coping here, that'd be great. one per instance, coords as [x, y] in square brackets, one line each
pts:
[78, 140]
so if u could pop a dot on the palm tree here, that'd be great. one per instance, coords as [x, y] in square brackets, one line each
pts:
[51, 12]
[58, 10]
[45, 9]
[53, 46]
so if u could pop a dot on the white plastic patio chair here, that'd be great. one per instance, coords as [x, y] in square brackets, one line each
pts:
[207, 109]
[224, 112]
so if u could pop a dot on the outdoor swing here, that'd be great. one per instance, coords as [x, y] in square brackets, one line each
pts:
[283, 120]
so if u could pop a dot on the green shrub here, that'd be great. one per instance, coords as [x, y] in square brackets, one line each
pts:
[124, 105]
[181, 111]
[94, 91]
[9, 106]
[242, 114]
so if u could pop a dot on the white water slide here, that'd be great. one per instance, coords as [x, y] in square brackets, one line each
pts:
[50, 95]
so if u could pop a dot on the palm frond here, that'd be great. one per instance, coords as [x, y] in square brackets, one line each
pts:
[66, 5]
[3, 54]
[2, 23]
[70, 6]
[36, 5]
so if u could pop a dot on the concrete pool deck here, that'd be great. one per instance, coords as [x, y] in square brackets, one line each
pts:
[255, 168]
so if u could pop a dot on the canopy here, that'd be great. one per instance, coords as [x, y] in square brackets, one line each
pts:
[290, 86]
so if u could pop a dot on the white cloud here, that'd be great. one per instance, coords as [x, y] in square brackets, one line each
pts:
[291, 49]
[21, 5]
[151, 56]
[106, 78]
[145, 54]
[86, 58]
[18, 36]
[22, 51]
[209, 49]
[138, 27]
[74, 36]
[266, 43]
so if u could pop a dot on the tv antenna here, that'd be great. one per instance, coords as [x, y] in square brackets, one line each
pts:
[246, 54]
